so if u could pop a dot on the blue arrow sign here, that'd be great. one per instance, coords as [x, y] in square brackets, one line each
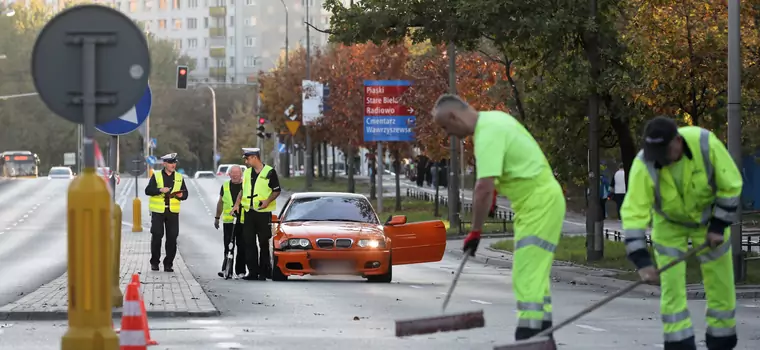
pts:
[151, 160]
[153, 143]
[217, 157]
[132, 119]
[281, 148]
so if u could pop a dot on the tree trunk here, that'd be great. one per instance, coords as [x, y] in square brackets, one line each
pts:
[351, 170]
[318, 150]
[334, 163]
[397, 170]
[373, 173]
[324, 159]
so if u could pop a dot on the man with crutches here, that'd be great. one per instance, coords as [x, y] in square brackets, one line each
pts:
[685, 182]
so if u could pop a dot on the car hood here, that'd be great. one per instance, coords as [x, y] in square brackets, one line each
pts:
[331, 229]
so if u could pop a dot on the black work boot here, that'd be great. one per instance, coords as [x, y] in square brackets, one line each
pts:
[686, 344]
[523, 333]
[721, 343]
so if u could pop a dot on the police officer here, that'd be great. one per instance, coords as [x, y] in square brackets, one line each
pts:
[227, 196]
[685, 182]
[261, 187]
[166, 189]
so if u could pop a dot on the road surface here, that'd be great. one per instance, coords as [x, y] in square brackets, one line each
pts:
[348, 313]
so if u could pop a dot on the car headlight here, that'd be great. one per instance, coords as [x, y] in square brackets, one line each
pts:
[371, 243]
[296, 243]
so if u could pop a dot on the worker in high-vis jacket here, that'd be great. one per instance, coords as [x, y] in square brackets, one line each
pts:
[685, 182]
[231, 230]
[261, 187]
[166, 189]
[510, 160]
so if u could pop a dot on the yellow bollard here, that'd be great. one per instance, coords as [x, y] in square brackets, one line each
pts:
[117, 298]
[136, 215]
[89, 266]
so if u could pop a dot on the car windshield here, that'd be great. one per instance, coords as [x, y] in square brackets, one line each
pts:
[331, 208]
[206, 175]
[59, 171]
[223, 169]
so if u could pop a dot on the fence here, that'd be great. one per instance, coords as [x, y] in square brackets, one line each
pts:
[501, 217]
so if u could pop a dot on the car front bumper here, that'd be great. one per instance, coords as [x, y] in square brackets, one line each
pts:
[327, 262]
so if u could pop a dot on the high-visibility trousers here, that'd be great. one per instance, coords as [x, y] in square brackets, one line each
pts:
[671, 242]
[538, 227]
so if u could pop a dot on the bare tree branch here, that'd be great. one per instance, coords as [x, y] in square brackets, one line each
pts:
[317, 29]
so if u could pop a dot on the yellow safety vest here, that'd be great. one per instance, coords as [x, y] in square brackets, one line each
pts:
[157, 203]
[261, 190]
[227, 203]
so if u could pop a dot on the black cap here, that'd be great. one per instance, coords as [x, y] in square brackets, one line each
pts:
[658, 133]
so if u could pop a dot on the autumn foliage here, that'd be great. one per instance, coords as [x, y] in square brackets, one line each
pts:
[344, 69]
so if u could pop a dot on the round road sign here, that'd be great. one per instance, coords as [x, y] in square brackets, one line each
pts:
[138, 166]
[122, 62]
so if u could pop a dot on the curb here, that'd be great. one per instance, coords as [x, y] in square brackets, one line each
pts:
[63, 315]
[575, 278]
[492, 235]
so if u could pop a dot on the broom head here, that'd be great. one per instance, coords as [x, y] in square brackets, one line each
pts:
[446, 323]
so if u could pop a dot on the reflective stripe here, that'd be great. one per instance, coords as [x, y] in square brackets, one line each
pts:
[721, 332]
[131, 308]
[725, 215]
[132, 338]
[676, 317]
[679, 335]
[634, 245]
[534, 240]
[529, 323]
[704, 148]
[668, 251]
[525, 306]
[721, 314]
[635, 233]
[715, 254]
[730, 202]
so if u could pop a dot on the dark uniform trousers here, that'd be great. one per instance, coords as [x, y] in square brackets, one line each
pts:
[258, 227]
[239, 242]
[158, 221]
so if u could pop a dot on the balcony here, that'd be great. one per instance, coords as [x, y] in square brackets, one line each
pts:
[217, 32]
[217, 52]
[217, 11]
[215, 72]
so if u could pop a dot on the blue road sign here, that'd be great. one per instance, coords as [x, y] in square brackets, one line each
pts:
[217, 157]
[388, 128]
[151, 160]
[153, 143]
[281, 148]
[132, 119]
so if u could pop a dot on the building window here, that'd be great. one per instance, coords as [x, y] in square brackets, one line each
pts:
[250, 41]
[147, 5]
[133, 6]
[178, 44]
[232, 62]
[250, 61]
[205, 62]
[205, 42]
[192, 23]
[250, 2]
[232, 41]
[205, 22]
[162, 4]
[232, 21]
[176, 4]
[250, 21]
[177, 24]
[192, 43]
[161, 24]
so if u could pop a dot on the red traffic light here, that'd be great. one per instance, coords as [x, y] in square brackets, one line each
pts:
[262, 121]
[182, 72]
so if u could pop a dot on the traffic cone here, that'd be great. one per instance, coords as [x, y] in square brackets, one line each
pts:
[132, 335]
[136, 281]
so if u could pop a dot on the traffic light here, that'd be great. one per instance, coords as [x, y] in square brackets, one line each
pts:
[261, 128]
[182, 77]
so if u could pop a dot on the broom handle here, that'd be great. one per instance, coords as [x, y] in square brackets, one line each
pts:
[619, 293]
[456, 279]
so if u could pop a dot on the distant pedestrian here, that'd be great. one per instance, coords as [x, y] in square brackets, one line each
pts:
[618, 188]
[166, 189]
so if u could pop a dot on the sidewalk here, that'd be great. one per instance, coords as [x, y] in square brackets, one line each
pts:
[581, 275]
[166, 294]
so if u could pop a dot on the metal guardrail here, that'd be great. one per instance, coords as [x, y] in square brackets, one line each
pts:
[501, 216]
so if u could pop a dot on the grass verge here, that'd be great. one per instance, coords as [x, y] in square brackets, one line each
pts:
[414, 209]
[573, 249]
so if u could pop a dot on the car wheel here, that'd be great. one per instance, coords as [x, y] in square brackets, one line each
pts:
[277, 274]
[384, 278]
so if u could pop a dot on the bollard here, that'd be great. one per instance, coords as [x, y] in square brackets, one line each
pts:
[89, 272]
[136, 215]
[117, 298]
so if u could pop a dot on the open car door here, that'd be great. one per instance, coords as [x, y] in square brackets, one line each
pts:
[418, 242]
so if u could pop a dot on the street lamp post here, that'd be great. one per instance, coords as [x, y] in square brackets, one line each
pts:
[213, 117]
[286, 162]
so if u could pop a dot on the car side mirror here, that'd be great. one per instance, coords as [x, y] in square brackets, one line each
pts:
[275, 218]
[396, 220]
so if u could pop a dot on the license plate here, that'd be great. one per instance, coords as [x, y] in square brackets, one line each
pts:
[336, 266]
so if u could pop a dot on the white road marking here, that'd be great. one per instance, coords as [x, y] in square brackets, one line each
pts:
[222, 335]
[229, 345]
[745, 305]
[590, 328]
[416, 287]
[480, 302]
[205, 321]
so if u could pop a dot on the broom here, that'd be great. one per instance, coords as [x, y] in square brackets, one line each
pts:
[445, 323]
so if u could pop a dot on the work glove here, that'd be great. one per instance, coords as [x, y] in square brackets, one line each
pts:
[216, 223]
[650, 275]
[471, 243]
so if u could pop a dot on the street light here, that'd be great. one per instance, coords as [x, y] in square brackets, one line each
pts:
[213, 116]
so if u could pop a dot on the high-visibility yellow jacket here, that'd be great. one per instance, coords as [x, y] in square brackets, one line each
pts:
[709, 196]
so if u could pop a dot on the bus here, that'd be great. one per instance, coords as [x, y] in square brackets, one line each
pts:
[19, 164]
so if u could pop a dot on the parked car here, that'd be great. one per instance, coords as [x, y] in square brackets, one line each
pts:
[204, 174]
[60, 172]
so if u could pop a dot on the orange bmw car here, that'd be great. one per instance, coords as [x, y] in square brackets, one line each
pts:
[330, 233]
